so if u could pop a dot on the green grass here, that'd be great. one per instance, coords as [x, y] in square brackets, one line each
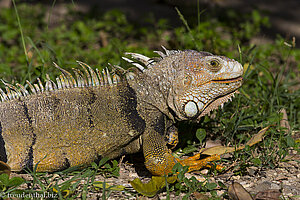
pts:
[271, 80]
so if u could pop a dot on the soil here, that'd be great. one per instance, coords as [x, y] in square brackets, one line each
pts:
[282, 182]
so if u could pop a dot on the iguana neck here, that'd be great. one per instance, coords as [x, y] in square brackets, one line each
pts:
[154, 87]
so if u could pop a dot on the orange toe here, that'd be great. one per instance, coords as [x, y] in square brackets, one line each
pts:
[195, 163]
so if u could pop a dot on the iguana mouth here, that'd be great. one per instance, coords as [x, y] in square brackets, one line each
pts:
[230, 80]
[219, 101]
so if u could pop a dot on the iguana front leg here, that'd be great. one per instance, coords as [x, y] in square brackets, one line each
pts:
[159, 160]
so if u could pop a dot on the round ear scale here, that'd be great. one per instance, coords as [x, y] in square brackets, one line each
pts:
[191, 109]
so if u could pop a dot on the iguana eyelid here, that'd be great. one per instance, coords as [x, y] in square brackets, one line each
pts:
[214, 65]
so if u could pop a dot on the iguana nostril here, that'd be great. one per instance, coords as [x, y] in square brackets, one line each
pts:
[187, 80]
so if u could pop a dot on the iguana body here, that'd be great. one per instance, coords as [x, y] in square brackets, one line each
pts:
[76, 121]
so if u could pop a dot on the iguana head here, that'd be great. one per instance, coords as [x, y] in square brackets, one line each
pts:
[204, 83]
[191, 83]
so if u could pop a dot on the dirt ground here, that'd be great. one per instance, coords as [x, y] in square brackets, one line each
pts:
[282, 182]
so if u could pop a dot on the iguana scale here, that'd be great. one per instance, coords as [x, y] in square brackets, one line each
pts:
[76, 120]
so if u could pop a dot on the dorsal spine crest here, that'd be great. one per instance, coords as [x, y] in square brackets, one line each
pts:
[86, 78]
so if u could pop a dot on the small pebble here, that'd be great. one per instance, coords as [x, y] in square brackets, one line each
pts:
[266, 185]
[275, 186]
[252, 170]
[238, 177]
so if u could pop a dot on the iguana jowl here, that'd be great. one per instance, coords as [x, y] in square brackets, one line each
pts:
[77, 120]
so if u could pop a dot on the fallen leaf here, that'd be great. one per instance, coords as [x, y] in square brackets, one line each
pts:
[99, 184]
[268, 195]
[284, 121]
[212, 143]
[246, 66]
[4, 168]
[257, 137]
[219, 150]
[151, 188]
[237, 192]
[201, 196]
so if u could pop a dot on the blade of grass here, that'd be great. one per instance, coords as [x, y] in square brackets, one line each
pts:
[49, 17]
[40, 55]
[58, 191]
[21, 31]
[36, 180]
[280, 76]
[248, 71]
[187, 27]
[240, 53]
[37, 50]
[104, 190]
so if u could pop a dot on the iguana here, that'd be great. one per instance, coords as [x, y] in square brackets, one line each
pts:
[76, 120]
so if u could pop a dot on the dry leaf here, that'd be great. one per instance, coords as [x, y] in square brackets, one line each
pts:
[151, 188]
[4, 168]
[219, 150]
[212, 143]
[257, 137]
[268, 195]
[103, 38]
[284, 121]
[99, 184]
[65, 193]
[200, 196]
[237, 192]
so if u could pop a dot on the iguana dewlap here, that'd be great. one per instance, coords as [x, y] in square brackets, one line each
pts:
[76, 120]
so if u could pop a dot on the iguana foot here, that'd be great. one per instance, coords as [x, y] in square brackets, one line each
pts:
[160, 161]
[172, 137]
[195, 163]
[163, 165]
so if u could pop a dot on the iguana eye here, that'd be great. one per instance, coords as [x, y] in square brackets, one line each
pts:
[214, 65]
